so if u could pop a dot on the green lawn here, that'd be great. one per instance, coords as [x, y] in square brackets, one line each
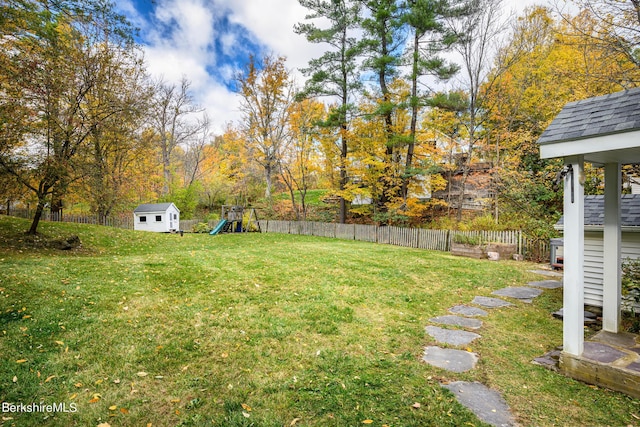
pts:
[140, 329]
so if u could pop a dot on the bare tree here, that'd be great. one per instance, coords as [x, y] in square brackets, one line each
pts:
[479, 36]
[194, 153]
[171, 121]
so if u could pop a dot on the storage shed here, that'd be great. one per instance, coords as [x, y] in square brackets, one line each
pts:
[158, 217]
[594, 241]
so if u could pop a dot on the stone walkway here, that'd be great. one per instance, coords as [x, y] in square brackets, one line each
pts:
[457, 330]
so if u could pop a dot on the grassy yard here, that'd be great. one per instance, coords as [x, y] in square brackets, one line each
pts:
[142, 329]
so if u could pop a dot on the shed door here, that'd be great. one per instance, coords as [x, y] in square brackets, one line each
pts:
[171, 220]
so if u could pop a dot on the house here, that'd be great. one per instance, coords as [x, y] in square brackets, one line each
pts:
[603, 130]
[594, 241]
[158, 217]
[477, 186]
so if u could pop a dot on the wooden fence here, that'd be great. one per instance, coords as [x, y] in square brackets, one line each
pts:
[437, 240]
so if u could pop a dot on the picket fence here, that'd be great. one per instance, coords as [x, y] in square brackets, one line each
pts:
[438, 240]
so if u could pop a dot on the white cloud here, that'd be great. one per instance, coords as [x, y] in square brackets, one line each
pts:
[182, 35]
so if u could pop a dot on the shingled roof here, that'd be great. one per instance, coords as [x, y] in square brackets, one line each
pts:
[152, 207]
[602, 115]
[594, 211]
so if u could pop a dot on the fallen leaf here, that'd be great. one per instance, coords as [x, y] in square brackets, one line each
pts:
[175, 400]
[113, 407]
[416, 405]
[367, 422]
[246, 407]
[59, 342]
[98, 382]
[246, 414]
[94, 400]
[15, 379]
[124, 411]
[116, 381]
[21, 360]
[73, 396]
[142, 374]
[49, 378]
[78, 385]
[148, 424]
[104, 425]
[294, 422]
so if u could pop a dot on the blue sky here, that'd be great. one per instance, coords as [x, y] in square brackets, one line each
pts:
[209, 41]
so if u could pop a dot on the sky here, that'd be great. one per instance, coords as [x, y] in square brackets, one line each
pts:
[209, 41]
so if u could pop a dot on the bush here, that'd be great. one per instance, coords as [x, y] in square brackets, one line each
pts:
[465, 239]
[201, 227]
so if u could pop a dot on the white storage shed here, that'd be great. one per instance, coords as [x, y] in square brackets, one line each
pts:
[158, 217]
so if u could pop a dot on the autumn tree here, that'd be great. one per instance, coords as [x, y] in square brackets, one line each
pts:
[615, 30]
[267, 92]
[335, 73]
[547, 68]
[300, 155]
[50, 66]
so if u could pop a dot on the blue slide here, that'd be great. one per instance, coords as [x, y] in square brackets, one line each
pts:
[219, 227]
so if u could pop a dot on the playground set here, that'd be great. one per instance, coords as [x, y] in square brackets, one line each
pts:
[231, 220]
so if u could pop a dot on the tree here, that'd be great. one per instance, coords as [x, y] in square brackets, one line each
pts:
[478, 34]
[431, 38]
[50, 66]
[616, 30]
[172, 122]
[335, 73]
[267, 93]
[550, 63]
[297, 162]
[383, 40]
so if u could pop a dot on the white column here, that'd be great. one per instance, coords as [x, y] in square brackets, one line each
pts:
[573, 325]
[612, 244]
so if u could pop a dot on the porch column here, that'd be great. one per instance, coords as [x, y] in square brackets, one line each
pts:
[573, 325]
[612, 253]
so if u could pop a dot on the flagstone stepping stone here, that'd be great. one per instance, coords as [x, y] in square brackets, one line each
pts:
[465, 322]
[450, 359]
[451, 336]
[546, 284]
[523, 293]
[601, 352]
[635, 366]
[488, 405]
[490, 302]
[467, 310]
[547, 273]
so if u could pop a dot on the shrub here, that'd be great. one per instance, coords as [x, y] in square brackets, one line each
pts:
[201, 227]
[464, 239]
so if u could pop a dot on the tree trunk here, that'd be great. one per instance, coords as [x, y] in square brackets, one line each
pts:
[36, 218]
[343, 174]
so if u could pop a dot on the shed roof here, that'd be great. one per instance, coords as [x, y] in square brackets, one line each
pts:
[602, 115]
[153, 207]
[594, 211]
